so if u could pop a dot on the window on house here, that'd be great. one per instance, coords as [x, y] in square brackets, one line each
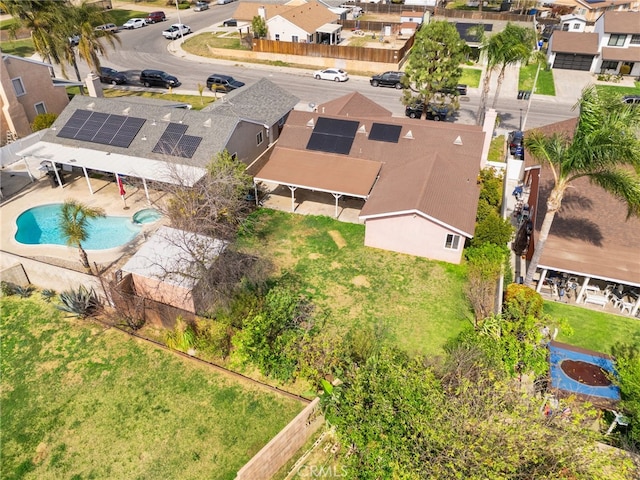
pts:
[294, 38]
[18, 86]
[40, 108]
[259, 138]
[565, 27]
[609, 65]
[452, 242]
[277, 37]
[576, 26]
[635, 39]
[616, 40]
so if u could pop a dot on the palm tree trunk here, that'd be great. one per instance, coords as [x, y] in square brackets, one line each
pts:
[497, 94]
[483, 98]
[83, 257]
[553, 205]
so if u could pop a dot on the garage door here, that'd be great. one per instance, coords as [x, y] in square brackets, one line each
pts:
[572, 61]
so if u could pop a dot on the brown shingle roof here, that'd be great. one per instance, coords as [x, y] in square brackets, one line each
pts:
[247, 10]
[621, 54]
[353, 105]
[309, 16]
[622, 22]
[579, 42]
[590, 234]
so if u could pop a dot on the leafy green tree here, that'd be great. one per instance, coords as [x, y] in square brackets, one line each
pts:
[492, 229]
[628, 379]
[259, 27]
[43, 120]
[604, 147]
[73, 221]
[434, 64]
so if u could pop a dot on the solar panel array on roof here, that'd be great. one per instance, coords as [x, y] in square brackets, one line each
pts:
[383, 132]
[331, 135]
[174, 142]
[467, 30]
[104, 128]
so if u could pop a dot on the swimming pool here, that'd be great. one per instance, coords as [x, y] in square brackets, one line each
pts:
[147, 215]
[39, 226]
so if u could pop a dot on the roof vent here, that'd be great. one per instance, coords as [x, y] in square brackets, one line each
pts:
[167, 117]
[207, 123]
[126, 111]
[91, 106]
[310, 123]
[362, 130]
[409, 135]
[458, 141]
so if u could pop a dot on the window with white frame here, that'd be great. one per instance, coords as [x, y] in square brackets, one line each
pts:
[576, 26]
[453, 241]
[259, 138]
[40, 108]
[616, 40]
[609, 65]
[18, 86]
[635, 39]
[294, 38]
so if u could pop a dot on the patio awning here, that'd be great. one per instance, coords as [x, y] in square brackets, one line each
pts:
[621, 54]
[329, 28]
[115, 163]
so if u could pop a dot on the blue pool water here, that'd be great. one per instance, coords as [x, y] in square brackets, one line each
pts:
[147, 215]
[39, 226]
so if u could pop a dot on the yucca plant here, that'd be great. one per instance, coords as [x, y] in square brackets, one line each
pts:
[48, 294]
[7, 289]
[81, 302]
[24, 292]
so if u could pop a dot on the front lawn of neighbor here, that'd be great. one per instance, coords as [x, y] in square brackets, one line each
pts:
[82, 401]
[421, 303]
[545, 85]
[594, 330]
[471, 77]
[619, 89]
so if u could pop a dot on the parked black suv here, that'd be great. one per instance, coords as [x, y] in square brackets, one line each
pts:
[224, 83]
[387, 79]
[433, 111]
[109, 75]
[516, 140]
[158, 78]
[461, 88]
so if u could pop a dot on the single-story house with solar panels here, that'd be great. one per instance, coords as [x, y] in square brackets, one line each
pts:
[155, 143]
[418, 179]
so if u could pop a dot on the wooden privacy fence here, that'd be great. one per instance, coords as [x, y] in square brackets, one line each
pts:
[475, 15]
[364, 54]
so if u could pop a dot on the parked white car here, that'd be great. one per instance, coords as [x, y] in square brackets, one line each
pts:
[134, 23]
[201, 6]
[335, 74]
[176, 31]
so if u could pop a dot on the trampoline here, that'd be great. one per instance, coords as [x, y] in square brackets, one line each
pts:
[583, 372]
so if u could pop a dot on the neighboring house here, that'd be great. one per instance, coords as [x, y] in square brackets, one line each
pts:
[593, 10]
[152, 142]
[158, 269]
[306, 22]
[27, 89]
[418, 178]
[573, 51]
[619, 43]
[412, 17]
[572, 23]
[613, 46]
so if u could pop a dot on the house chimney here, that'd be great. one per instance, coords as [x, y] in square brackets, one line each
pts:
[94, 86]
[262, 11]
[488, 127]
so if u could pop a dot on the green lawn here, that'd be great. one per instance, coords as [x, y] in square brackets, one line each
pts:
[545, 85]
[594, 330]
[421, 302]
[471, 77]
[79, 402]
[20, 48]
[619, 90]
[497, 149]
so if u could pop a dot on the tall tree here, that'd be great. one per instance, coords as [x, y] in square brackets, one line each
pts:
[604, 146]
[490, 53]
[434, 64]
[73, 221]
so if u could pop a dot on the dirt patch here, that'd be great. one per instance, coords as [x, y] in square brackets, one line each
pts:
[42, 452]
[337, 238]
[360, 281]
[335, 265]
[314, 256]
[585, 373]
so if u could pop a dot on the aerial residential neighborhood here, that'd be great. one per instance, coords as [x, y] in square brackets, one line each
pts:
[320, 239]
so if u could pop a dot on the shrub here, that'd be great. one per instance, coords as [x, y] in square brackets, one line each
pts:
[24, 292]
[182, 337]
[7, 289]
[47, 294]
[42, 121]
[492, 229]
[81, 302]
[213, 337]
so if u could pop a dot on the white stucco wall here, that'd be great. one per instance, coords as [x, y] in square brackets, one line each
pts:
[286, 30]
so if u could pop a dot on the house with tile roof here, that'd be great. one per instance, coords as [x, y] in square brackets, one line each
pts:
[417, 179]
[297, 22]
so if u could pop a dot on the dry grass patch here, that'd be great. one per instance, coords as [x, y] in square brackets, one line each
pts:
[360, 281]
[335, 235]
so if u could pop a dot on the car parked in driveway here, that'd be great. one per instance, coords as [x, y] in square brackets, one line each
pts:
[134, 23]
[387, 79]
[223, 83]
[176, 30]
[201, 6]
[114, 77]
[432, 111]
[516, 142]
[335, 74]
[158, 78]
[155, 17]
[230, 22]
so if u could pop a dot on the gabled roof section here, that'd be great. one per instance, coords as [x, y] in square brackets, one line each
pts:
[247, 10]
[622, 22]
[580, 42]
[599, 5]
[309, 16]
[8, 56]
[353, 105]
[264, 102]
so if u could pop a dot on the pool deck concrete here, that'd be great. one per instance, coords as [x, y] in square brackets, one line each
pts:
[20, 194]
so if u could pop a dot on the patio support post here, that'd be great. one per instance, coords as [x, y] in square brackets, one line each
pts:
[584, 285]
[293, 198]
[86, 176]
[635, 308]
[55, 170]
[543, 275]
[337, 197]
[146, 190]
[24, 160]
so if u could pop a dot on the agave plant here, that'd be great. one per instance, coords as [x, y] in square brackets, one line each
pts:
[48, 294]
[81, 302]
[24, 291]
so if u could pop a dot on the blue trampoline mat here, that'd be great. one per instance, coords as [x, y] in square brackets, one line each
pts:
[560, 380]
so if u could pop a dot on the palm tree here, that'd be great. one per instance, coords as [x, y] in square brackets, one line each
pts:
[73, 219]
[603, 148]
[516, 46]
[490, 52]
